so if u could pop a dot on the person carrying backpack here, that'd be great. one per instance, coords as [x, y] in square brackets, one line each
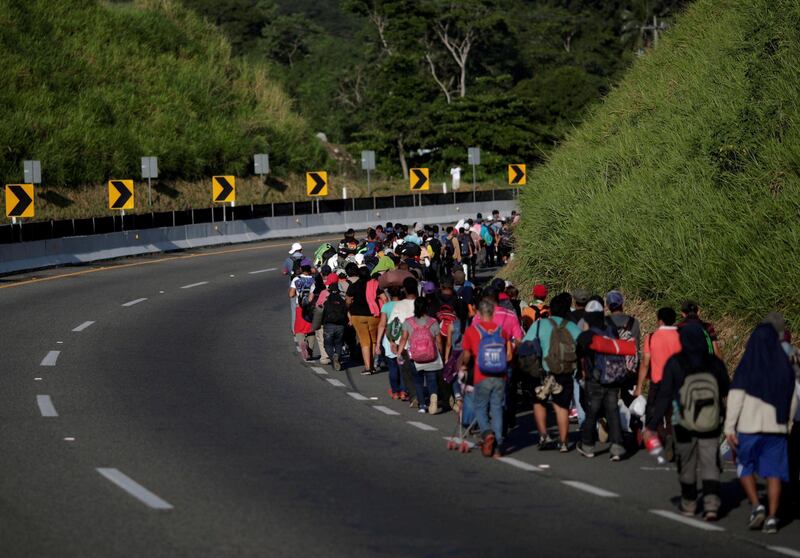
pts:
[557, 337]
[603, 376]
[422, 337]
[628, 329]
[334, 321]
[488, 347]
[301, 292]
[538, 308]
[388, 335]
[291, 268]
[693, 389]
[761, 406]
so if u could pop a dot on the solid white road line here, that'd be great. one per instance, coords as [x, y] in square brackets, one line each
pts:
[591, 489]
[696, 523]
[193, 285]
[46, 406]
[785, 551]
[357, 396]
[83, 326]
[385, 410]
[134, 488]
[133, 302]
[319, 370]
[422, 426]
[263, 271]
[334, 382]
[50, 358]
[520, 464]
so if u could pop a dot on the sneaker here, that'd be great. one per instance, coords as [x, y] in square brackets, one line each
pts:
[602, 431]
[488, 445]
[687, 508]
[573, 415]
[433, 408]
[563, 447]
[584, 452]
[711, 515]
[615, 458]
[403, 396]
[324, 361]
[771, 525]
[545, 441]
[366, 372]
[337, 365]
[393, 394]
[422, 410]
[757, 517]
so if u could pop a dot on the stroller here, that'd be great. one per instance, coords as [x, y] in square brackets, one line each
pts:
[465, 436]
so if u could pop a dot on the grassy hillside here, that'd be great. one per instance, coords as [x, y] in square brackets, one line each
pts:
[91, 86]
[686, 181]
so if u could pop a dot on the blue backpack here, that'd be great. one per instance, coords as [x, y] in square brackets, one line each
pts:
[609, 369]
[492, 356]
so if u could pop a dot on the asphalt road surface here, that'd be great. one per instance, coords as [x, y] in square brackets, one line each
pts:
[157, 407]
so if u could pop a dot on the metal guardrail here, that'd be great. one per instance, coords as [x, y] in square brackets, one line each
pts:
[45, 230]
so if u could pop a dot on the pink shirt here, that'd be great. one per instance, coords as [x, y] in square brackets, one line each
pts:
[508, 320]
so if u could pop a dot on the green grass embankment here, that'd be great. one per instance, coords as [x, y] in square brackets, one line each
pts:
[685, 182]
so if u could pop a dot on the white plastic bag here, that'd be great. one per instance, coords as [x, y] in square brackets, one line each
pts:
[638, 406]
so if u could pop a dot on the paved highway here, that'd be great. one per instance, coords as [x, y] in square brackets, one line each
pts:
[157, 407]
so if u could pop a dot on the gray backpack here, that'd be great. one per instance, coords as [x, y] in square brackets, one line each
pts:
[699, 404]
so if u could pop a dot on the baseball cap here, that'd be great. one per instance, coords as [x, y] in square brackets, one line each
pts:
[581, 296]
[305, 262]
[594, 306]
[296, 247]
[614, 299]
[539, 292]
[331, 279]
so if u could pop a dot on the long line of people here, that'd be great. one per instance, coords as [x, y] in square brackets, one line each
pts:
[407, 300]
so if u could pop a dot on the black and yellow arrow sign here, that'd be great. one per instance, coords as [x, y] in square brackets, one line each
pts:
[120, 194]
[517, 174]
[317, 183]
[223, 189]
[19, 200]
[420, 180]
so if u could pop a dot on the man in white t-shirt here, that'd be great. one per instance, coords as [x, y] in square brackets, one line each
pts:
[455, 173]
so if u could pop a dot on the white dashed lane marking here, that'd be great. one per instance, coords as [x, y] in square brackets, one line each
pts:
[319, 370]
[83, 326]
[334, 382]
[422, 426]
[46, 406]
[134, 302]
[357, 396]
[785, 551]
[697, 524]
[193, 285]
[134, 488]
[385, 410]
[256, 272]
[591, 489]
[50, 358]
[519, 464]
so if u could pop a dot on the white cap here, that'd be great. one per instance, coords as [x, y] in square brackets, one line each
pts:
[296, 247]
[594, 306]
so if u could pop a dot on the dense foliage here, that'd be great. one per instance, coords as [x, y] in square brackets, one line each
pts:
[406, 77]
[90, 87]
[685, 183]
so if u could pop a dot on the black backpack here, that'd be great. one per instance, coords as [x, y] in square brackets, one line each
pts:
[334, 311]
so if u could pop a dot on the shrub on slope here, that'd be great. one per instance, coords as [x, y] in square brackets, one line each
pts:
[685, 182]
[91, 86]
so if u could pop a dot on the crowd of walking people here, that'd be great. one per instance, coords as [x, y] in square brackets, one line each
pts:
[406, 299]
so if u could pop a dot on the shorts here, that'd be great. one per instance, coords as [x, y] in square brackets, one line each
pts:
[563, 399]
[366, 329]
[766, 455]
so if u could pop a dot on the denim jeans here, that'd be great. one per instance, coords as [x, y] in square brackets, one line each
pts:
[293, 309]
[395, 378]
[576, 400]
[334, 339]
[490, 395]
[605, 397]
[423, 380]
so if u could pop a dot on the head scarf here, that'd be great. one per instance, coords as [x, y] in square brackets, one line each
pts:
[695, 354]
[384, 264]
[765, 371]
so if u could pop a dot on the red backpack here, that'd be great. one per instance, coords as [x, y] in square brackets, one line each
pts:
[423, 345]
[446, 317]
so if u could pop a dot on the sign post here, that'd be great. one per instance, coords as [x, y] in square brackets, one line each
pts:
[317, 186]
[419, 181]
[261, 164]
[474, 159]
[120, 197]
[149, 171]
[368, 164]
[223, 190]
